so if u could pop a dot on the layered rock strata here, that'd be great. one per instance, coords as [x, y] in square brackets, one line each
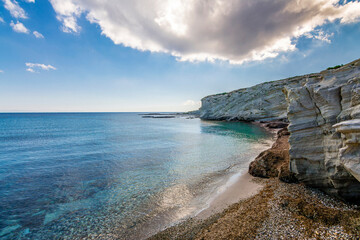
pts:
[313, 108]
[263, 102]
[350, 153]
[320, 156]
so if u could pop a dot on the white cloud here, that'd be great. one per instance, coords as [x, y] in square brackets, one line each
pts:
[37, 34]
[19, 27]
[320, 35]
[15, 10]
[208, 30]
[1, 71]
[30, 1]
[2, 20]
[192, 105]
[32, 66]
[67, 13]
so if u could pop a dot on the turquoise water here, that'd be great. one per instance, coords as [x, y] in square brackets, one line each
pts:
[113, 175]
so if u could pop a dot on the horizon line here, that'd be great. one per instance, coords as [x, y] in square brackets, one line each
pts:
[96, 112]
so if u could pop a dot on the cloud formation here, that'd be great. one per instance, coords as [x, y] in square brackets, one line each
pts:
[67, 13]
[191, 104]
[15, 10]
[2, 20]
[31, 67]
[19, 27]
[198, 30]
[1, 71]
[37, 34]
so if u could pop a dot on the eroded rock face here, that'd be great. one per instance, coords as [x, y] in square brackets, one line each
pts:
[350, 152]
[265, 102]
[314, 106]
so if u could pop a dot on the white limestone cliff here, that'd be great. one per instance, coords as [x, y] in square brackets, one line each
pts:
[313, 108]
[264, 101]
[350, 153]
[319, 155]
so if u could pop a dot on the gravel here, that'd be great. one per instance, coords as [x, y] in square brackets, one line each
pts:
[279, 211]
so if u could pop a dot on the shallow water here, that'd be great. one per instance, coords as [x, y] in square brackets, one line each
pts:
[113, 174]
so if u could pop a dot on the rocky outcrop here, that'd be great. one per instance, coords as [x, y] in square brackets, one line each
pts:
[274, 162]
[313, 108]
[350, 153]
[320, 156]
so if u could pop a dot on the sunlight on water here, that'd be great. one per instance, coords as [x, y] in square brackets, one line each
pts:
[108, 174]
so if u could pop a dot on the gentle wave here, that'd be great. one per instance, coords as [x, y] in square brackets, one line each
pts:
[91, 175]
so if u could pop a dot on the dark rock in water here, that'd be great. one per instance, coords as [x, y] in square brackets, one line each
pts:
[194, 114]
[276, 125]
[274, 162]
[187, 115]
[283, 132]
[158, 116]
[153, 114]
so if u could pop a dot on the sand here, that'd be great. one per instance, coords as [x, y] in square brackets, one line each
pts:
[256, 208]
[278, 211]
[242, 187]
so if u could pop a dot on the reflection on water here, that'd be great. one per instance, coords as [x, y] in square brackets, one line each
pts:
[86, 175]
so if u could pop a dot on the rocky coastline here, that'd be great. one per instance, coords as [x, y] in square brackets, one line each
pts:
[284, 208]
[310, 175]
[275, 161]
[322, 109]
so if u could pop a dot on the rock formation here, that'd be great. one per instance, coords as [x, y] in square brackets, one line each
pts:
[320, 156]
[350, 153]
[265, 102]
[274, 162]
[313, 108]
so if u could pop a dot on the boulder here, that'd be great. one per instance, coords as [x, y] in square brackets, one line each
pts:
[274, 162]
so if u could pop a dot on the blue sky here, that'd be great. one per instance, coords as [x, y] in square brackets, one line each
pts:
[164, 58]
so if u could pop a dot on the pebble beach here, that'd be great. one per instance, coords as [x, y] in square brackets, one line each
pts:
[278, 211]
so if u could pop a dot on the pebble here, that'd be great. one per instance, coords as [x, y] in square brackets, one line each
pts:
[282, 225]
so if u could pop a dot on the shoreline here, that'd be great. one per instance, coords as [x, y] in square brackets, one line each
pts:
[238, 187]
[279, 211]
[241, 188]
[229, 195]
[264, 208]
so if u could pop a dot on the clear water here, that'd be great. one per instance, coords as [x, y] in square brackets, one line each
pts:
[112, 175]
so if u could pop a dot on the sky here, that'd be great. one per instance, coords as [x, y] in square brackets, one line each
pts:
[162, 55]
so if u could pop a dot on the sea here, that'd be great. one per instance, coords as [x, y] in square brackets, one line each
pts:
[114, 175]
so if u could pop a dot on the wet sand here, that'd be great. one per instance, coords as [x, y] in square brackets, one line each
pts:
[242, 187]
